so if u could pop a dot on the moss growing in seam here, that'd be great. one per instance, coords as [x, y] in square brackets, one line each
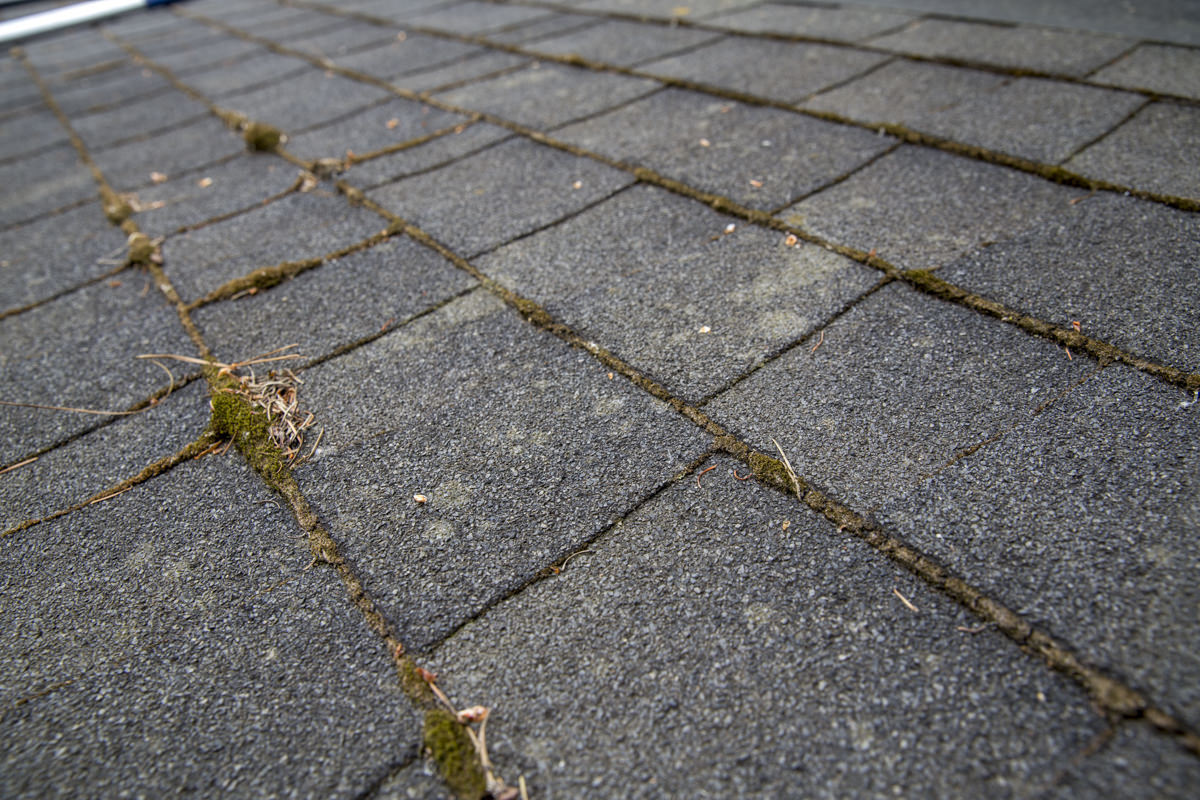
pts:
[446, 740]
[771, 471]
[141, 249]
[116, 209]
[260, 136]
[233, 417]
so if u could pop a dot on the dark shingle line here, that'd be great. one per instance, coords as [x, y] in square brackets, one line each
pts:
[140, 405]
[192, 450]
[434, 167]
[1104, 135]
[804, 340]
[923, 280]
[837, 179]
[558, 564]
[54, 212]
[14, 311]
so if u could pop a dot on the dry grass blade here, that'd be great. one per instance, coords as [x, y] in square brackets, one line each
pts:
[71, 408]
[787, 465]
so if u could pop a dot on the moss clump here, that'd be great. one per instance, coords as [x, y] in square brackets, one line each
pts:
[771, 471]
[233, 417]
[262, 137]
[446, 740]
[117, 210]
[141, 249]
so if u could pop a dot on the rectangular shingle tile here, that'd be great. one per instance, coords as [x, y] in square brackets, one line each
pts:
[622, 43]
[32, 132]
[438, 152]
[900, 385]
[1104, 263]
[194, 657]
[607, 273]
[400, 56]
[242, 73]
[100, 460]
[819, 22]
[80, 351]
[664, 9]
[905, 92]
[1155, 150]
[1085, 518]
[49, 180]
[544, 27]
[714, 645]
[1042, 120]
[522, 445]
[448, 76]
[1018, 46]
[502, 192]
[106, 89]
[343, 39]
[392, 123]
[54, 253]
[336, 304]
[543, 96]
[200, 143]
[305, 100]
[476, 17]
[1157, 68]
[922, 208]
[784, 71]
[760, 157]
[220, 189]
[187, 55]
[136, 119]
[296, 227]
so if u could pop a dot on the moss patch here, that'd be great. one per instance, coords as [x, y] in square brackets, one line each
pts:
[141, 249]
[262, 137]
[234, 418]
[448, 745]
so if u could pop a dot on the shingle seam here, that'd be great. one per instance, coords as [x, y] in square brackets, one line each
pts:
[12, 312]
[145, 403]
[558, 565]
[836, 180]
[1105, 134]
[191, 451]
[802, 341]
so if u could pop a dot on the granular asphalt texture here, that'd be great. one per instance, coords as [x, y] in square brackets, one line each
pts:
[601, 398]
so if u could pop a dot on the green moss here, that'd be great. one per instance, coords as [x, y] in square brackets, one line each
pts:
[117, 210]
[262, 137]
[234, 418]
[448, 745]
[770, 471]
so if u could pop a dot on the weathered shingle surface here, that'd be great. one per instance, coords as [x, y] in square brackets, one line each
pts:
[737, 398]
